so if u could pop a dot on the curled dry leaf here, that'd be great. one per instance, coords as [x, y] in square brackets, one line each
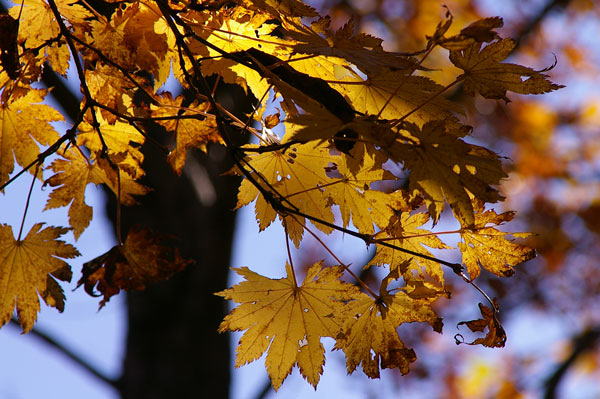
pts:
[145, 257]
[495, 337]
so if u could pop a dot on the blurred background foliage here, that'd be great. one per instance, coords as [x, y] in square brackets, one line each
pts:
[553, 146]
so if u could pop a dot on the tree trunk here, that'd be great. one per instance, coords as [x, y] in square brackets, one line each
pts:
[173, 349]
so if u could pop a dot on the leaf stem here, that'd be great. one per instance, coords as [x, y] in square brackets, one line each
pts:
[481, 291]
[418, 107]
[35, 172]
[345, 266]
[289, 252]
[402, 83]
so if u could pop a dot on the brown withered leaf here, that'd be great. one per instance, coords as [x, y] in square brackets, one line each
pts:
[145, 257]
[495, 337]
[480, 31]
[272, 120]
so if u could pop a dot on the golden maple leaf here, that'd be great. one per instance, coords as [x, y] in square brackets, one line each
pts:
[281, 9]
[145, 257]
[120, 138]
[445, 168]
[356, 198]
[287, 320]
[23, 122]
[28, 268]
[73, 174]
[403, 231]
[232, 31]
[370, 338]
[38, 24]
[145, 42]
[393, 94]
[360, 49]
[108, 85]
[486, 75]
[190, 133]
[295, 175]
[490, 248]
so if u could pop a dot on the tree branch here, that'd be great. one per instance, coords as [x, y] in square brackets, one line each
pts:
[537, 20]
[581, 343]
[70, 354]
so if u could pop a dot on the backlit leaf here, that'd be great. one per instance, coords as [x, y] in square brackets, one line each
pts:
[486, 75]
[23, 123]
[73, 174]
[487, 247]
[370, 338]
[28, 269]
[286, 320]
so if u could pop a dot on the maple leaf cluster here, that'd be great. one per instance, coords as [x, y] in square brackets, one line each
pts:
[352, 114]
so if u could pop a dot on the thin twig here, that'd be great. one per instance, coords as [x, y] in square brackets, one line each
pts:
[70, 354]
[582, 343]
[344, 265]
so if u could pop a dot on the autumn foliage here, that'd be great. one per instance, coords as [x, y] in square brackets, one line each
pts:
[348, 137]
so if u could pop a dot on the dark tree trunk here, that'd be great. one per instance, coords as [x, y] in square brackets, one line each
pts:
[173, 348]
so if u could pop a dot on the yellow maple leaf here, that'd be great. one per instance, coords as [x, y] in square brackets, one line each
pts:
[28, 268]
[73, 174]
[356, 198]
[282, 9]
[190, 133]
[145, 257]
[108, 86]
[120, 138]
[491, 248]
[58, 56]
[397, 93]
[37, 23]
[486, 75]
[23, 122]
[296, 175]
[360, 49]
[370, 338]
[404, 231]
[145, 42]
[287, 320]
[237, 31]
[445, 168]
[233, 31]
